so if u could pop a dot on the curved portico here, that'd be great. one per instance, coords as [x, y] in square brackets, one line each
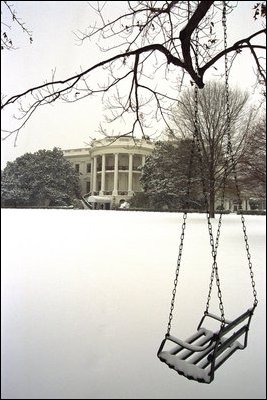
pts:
[116, 166]
[116, 174]
[113, 166]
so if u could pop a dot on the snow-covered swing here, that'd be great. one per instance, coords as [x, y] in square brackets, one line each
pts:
[202, 353]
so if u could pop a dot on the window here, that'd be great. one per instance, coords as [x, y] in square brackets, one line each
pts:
[87, 187]
[88, 167]
[77, 167]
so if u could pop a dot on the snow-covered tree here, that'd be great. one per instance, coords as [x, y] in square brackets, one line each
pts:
[167, 176]
[39, 179]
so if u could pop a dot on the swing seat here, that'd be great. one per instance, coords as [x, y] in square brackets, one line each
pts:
[202, 353]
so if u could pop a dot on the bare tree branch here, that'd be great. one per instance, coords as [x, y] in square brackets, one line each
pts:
[6, 41]
[143, 40]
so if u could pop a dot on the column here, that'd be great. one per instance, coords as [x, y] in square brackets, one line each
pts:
[130, 175]
[94, 174]
[116, 174]
[103, 175]
[143, 160]
[245, 205]
[226, 204]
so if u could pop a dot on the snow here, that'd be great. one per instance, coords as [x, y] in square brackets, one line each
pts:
[189, 370]
[86, 297]
[188, 345]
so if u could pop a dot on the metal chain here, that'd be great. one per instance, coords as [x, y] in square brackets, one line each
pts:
[182, 236]
[214, 247]
[229, 158]
[230, 153]
[177, 273]
[227, 129]
[178, 263]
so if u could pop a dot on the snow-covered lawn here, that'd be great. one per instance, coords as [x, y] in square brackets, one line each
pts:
[86, 297]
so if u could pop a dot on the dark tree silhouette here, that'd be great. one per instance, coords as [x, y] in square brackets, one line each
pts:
[149, 43]
[252, 163]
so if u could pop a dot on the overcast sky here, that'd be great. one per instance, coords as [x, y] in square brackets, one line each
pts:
[53, 24]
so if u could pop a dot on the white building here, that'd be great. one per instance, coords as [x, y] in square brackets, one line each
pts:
[110, 169]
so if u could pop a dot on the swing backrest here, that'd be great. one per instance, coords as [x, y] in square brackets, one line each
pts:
[223, 347]
[230, 324]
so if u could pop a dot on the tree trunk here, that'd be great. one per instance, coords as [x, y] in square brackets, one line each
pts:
[212, 199]
[212, 205]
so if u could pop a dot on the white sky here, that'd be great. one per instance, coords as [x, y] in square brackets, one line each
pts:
[54, 46]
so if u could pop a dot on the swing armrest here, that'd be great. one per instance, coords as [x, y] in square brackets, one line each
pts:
[208, 314]
[189, 346]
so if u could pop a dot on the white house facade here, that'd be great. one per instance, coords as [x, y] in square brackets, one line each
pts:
[110, 169]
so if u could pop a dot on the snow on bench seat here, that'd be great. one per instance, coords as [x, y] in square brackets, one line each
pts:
[188, 370]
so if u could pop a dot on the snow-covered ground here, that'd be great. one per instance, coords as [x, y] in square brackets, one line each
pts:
[86, 297]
